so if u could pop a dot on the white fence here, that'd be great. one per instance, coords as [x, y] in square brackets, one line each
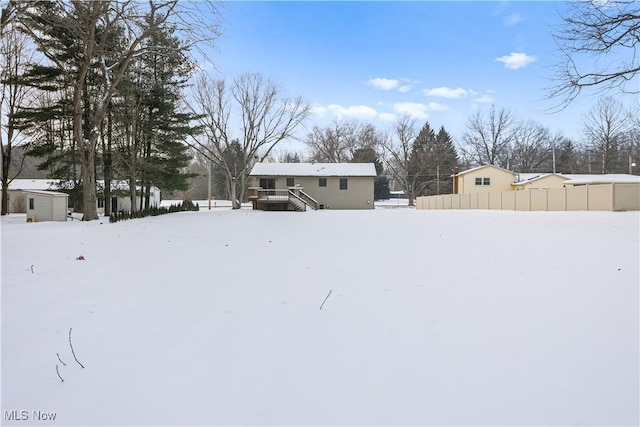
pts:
[600, 197]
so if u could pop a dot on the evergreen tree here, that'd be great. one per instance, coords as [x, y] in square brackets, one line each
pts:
[420, 160]
[444, 159]
[165, 69]
[381, 190]
[151, 123]
[368, 155]
[290, 158]
[566, 157]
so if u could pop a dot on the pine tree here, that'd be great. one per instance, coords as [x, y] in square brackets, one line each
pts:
[165, 69]
[420, 160]
[444, 159]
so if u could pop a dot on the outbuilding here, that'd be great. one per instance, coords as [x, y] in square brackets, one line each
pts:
[46, 205]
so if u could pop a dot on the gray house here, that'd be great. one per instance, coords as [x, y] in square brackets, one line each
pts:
[293, 186]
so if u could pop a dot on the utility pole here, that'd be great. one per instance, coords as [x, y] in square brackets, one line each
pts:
[209, 186]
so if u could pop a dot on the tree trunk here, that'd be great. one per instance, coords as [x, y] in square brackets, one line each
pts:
[132, 192]
[231, 181]
[88, 174]
[107, 186]
[6, 163]
[5, 197]
[147, 196]
[108, 164]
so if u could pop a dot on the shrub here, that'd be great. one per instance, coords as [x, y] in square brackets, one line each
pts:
[187, 205]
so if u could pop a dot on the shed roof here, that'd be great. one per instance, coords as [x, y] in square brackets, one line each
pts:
[314, 169]
[47, 193]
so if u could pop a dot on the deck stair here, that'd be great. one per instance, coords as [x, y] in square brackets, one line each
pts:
[293, 198]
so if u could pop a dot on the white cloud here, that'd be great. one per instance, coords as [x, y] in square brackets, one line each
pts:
[516, 60]
[384, 84]
[485, 99]
[387, 117]
[319, 110]
[354, 111]
[446, 92]
[436, 106]
[513, 19]
[414, 109]
[404, 88]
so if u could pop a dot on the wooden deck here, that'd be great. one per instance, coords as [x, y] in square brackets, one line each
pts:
[291, 199]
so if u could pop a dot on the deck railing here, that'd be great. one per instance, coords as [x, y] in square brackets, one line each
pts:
[306, 198]
[294, 195]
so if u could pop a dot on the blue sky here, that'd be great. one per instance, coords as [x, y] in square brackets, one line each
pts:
[373, 61]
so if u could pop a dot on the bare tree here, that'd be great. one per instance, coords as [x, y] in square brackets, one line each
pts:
[15, 53]
[633, 139]
[487, 139]
[90, 24]
[606, 129]
[398, 158]
[265, 118]
[334, 143]
[608, 34]
[532, 148]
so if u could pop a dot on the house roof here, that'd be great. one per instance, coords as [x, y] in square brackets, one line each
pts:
[578, 179]
[32, 184]
[527, 178]
[482, 167]
[571, 179]
[47, 184]
[314, 169]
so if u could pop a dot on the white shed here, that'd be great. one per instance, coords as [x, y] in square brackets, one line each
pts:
[46, 205]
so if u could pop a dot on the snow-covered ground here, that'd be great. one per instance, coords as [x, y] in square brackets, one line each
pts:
[434, 318]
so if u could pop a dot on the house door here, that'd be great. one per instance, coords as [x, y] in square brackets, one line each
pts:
[114, 204]
[268, 183]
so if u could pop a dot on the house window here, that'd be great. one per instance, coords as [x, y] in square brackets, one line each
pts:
[268, 183]
[343, 183]
[100, 202]
[290, 182]
[483, 181]
[31, 203]
[322, 182]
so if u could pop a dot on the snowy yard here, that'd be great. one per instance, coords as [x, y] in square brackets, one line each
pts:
[434, 318]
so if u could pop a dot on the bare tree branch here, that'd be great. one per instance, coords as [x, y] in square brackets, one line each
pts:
[607, 35]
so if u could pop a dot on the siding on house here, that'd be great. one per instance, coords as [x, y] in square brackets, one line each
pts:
[359, 181]
[547, 180]
[499, 180]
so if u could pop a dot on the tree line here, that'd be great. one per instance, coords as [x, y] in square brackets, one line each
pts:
[96, 88]
[109, 90]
